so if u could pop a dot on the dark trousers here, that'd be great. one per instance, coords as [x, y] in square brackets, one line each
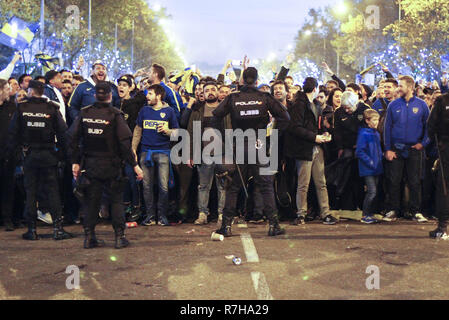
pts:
[442, 199]
[394, 172]
[264, 183]
[94, 194]
[183, 179]
[368, 204]
[429, 189]
[7, 182]
[34, 179]
[70, 204]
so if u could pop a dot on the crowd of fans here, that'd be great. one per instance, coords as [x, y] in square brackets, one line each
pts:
[348, 146]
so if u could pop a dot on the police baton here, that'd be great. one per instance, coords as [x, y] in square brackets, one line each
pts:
[441, 167]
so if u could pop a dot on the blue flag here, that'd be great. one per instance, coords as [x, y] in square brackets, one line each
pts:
[18, 34]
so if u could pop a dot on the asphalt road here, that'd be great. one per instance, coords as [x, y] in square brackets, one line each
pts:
[313, 261]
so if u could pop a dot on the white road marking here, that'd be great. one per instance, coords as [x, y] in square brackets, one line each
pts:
[261, 286]
[250, 249]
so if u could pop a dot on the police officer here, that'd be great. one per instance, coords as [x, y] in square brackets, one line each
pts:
[438, 128]
[34, 127]
[249, 109]
[100, 140]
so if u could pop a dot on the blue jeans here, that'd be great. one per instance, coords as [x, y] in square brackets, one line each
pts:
[371, 184]
[206, 175]
[131, 193]
[161, 163]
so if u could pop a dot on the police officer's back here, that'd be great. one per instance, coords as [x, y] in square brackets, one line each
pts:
[35, 126]
[438, 129]
[251, 109]
[100, 141]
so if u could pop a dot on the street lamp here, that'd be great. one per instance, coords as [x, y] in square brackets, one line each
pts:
[343, 8]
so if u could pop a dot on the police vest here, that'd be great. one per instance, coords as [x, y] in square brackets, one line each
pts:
[38, 124]
[98, 132]
[249, 110]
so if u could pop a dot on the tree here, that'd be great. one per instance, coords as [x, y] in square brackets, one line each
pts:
[150, 42]
[422, 34]
[361, 37]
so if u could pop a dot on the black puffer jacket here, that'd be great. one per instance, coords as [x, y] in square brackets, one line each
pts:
[303, 129]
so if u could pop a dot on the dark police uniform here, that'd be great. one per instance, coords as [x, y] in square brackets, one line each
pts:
[438, 126]
[35, 126]
[7, 165]
[100, 139]
[249, 110]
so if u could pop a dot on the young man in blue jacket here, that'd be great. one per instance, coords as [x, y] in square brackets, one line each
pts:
[172, 98]
[84, 94]
[369, 153]
[405, 137]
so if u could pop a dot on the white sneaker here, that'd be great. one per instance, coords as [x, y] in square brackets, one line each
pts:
[420, 218]
[202, 219]
[390, 216]
[44, 217]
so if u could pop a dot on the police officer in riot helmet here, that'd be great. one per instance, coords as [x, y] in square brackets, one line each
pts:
[39, 128]
[100, 143]
[438, 131]
[251, 109]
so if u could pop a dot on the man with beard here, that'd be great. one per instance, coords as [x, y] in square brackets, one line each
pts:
[84, 94]
[210, 126]
[154, 126]
[405, 137]
[67, 90]
[389, 87]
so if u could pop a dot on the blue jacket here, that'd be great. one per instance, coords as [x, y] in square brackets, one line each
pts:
[84, 95]
[369, 152]
[173, 99]
[406, 123]
[377, 105]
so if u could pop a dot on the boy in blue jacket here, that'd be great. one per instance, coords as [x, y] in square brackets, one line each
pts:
[369, 153]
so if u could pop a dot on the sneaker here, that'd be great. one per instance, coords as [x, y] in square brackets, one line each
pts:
[299, 220]
[46, 218]
[369, 220]
[163, 221]
[390, 216]
[148, 221]
[438, 234]
[202, 219]
[420, 218]
[330, 220]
